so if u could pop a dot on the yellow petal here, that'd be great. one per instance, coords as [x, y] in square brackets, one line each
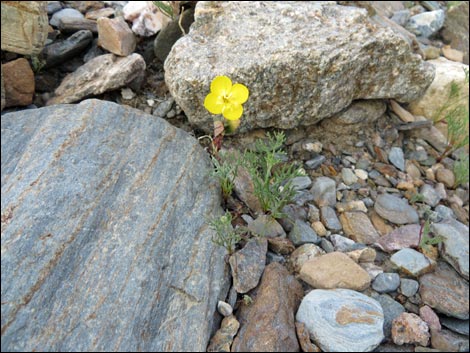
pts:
[239, 94]
[232, 111]
[221, 86]
[213, 103]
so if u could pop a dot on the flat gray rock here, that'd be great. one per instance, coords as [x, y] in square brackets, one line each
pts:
[395, 209]
[411, 262]
[324, 191]
[104, 240]
[454, 248]
[336, 56]
[342, 320]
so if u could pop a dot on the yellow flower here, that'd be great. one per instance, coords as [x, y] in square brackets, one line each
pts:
[226, 99]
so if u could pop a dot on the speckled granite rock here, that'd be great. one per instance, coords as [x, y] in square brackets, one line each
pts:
[332, 45]
[342, 320]
[107, 205]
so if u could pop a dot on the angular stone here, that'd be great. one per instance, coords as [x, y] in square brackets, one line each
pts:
[115, 203]
[438, 93]
[408, 287]
[104, 12]
[427, 23]
[329, 218]
[358, 227]
[359, 112]
[319, 228]
[324, 191]
[411, 262]
[348, 176]
[343, 244]
[71, 25]
[400, 238]
[3, 90]
[342, 320]
[304, 338]
[362, 255]
[309, 64]
[146, 20]
[445, 291]
[268, 324]
[409, 328]
[455, 325]
[280, 245]
[292, 213]
[301, 255]
[115, 36]
[266, 226]
[397, 158]
[430, 317]
[455, 244]
[302, 233]
[301, 182]
[31, 18]
[334, 270]
[248, 264]
[391, 310]
[456, 29]
[386, 282]
[395, 210]
[355, 206]
[245, 190]
[61, 51]
[223, 338]
[430, 196]
[18, 80]
[101, 74]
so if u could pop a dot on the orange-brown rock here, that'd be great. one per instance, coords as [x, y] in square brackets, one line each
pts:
[18, 80]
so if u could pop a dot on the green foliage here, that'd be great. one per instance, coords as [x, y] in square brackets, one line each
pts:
[225, 235]
[165, 9]
[461, 169]
[225, 169]
[451, 4]
[37, 64]
[272, 179]
[247, 300]
[425, 239]
[416, 198]
[455, 113]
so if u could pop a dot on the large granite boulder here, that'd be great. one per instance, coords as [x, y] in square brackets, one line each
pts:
[105, 246]
[301, 61]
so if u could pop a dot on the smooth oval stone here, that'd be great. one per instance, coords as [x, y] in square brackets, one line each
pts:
[342, 320]
[386, 282]
[395, 210]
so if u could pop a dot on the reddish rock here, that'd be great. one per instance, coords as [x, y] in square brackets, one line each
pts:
[304, 338]
[268, 324]
[400, 238]
[115, 36]
[430, 317]
[18, 80]
[409, 328]
[448, 341]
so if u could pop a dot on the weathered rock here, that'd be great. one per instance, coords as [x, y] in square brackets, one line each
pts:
[304, 338]
[452, 54]
[115, 36]
[301, 255]
[302, 233]
[397, 158]
[329, 218]
[400, 238]
[145, 17]
[342, 320]
[430, 317]
[103, 73]
[455, 325]
[70, 13]
[456, 28]
[391, 310]
[408, 287]
[268, 325]
[411, 262]
[395, 210]
[319, 228]
[445, 176]
[301, 182]
[430, 195]
[31, 18]
[448, 341]
[343, 244]
[248, 264]
[348, 176]
[224, 308]
[359, 112]
[409, 328]
[245, 190]
[354, 206]
[334, 270]
[3, 90]
[292, 213]
[427, 23]
[18, 81]
[280, 245]
[264, 56]
[53, 6]
[358, 227]
[386, 282]
[438, 92]
[168, 36]
[372, 270]
[61, 51]
[362, 255]
[266, 226]
[455, 245]
[445, 291]
[223, 338]
[104, 12]
[114, 202]
[324, 191]
[71, 25]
